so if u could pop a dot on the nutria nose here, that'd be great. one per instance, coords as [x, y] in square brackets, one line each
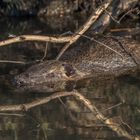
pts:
[17, 83]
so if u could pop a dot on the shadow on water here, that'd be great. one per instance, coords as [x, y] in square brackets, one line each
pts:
[56, 120]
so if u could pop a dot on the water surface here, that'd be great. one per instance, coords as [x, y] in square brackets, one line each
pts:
[56, 120]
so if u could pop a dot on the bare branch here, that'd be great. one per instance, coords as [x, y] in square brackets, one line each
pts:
[95, 15]
[23, 38]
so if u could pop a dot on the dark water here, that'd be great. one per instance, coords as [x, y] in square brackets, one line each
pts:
[56, 120]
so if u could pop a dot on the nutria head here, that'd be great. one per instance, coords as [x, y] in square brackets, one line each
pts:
[48, 76]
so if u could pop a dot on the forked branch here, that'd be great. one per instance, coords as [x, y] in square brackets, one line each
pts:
[92, 19]
[109, 122]
[68, 39]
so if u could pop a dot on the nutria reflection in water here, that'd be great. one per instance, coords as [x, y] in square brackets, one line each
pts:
[87, 60]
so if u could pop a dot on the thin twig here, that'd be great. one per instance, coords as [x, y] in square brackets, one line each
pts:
[11, 114]
[128, 12]
[98, 133]
[138, 110]
[107, 47]
[114, 106]
[45, 52]
[95, 40]
[11, 61]
[122, 17]
[128, 126]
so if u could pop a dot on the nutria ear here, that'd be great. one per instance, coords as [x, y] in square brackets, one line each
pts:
[69, 70]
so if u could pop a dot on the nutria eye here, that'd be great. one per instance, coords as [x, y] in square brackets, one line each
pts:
[68, 69]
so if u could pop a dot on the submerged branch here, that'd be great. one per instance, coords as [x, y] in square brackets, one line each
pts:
[109, 122]
[27, 106]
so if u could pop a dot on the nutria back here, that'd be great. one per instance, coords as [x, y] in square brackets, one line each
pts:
[105, 55]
